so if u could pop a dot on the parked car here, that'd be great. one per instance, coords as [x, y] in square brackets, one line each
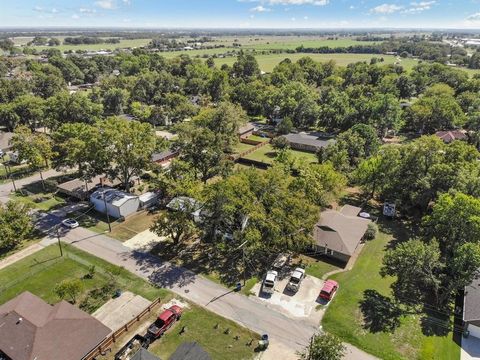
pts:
[70, 223]
[296, 279]
[164, 321]
[269, 282]
[328, 290]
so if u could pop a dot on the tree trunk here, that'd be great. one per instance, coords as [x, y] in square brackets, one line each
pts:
[41, 178]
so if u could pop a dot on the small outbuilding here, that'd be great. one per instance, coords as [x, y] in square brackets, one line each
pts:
[451, 135]
[148, 199]
[338, 233]
[184, 203]
[246, 130]
[118, 203]
[79, 188]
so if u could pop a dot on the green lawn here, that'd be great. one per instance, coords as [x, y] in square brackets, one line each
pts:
[201, 327]
[43, 202]
[318, 267]
[267, 155]
[40, 272]
[241, 147]
[258, 138]
[292, 44]
[345, 319]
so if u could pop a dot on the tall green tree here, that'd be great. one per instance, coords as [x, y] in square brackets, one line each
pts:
[323, 347]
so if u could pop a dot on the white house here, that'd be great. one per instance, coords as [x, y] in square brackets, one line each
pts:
[186, 204]
[118, 203]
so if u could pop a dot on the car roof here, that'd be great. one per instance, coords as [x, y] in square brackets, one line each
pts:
[298, 272]
[166, 315]
[271, 275]
[329, 285]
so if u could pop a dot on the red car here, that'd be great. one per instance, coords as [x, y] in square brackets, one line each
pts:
[328, 290]
[164, 321]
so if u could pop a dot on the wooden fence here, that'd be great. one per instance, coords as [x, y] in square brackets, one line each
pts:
[107, 343]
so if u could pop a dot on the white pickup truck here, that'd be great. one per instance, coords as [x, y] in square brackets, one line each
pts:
[296, 279]
[269, 282]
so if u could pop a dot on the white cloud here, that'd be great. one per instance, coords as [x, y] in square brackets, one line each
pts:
[305, 18]
[46, 11]
[260, 8]
[87, 11]
[106, 4]
[417, 7]
[38, 8]
[127, 2]
[291, 2]
[75, 16]
[386, 9]
[293, 19]
[474, 17]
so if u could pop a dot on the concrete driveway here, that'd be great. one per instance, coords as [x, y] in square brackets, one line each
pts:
[301, 304]
[115, 313]
[470, 348]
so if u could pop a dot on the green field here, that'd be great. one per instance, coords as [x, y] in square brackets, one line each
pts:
[294, 43]
[130, 43]
[269, 61]
[344, 318]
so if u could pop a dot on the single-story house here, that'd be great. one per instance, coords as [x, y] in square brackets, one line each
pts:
[338, 233]
[118, 203]
[471, 308]
[450, 135]
[190, 351]
[144, 354]
[184, 203]
[32, 329]
[310, 142]
[164, 157]
[246, 130]
[79, 188]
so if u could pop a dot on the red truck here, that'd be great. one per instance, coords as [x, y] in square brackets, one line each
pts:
[164, 321]
[328, 290]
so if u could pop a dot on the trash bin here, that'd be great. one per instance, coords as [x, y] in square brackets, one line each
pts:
[238, 287]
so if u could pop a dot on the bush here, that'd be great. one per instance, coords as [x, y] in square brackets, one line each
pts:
[371, 232]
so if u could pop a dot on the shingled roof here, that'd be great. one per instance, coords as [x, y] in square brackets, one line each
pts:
[340, 231]
[31, 329]
[471, 304]
[190, 351]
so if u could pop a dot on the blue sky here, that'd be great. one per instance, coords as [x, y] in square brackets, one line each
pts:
[242, 13]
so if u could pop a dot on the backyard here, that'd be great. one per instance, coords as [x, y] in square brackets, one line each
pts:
[267, 154]
[363, 288]
[41, 197]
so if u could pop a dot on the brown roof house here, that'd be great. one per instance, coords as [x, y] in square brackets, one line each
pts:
[246, 130]
[31, 329]
[338, 233]
[450, 135]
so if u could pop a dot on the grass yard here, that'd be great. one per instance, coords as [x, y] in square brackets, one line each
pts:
[345, 319]
[317, 267]
[38, 196]
[267, 155]
[292, 44]
[208, 330]
[258, 138]
[241, 147]
[40, 272]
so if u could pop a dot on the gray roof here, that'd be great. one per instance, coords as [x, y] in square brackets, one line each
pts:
[144, 354]
[32, 329]
[190, 351]
[163, 155]
[112, 196]
[311, 139]
[340, 231]
[471, 304]
[246, 128]
[5, 138]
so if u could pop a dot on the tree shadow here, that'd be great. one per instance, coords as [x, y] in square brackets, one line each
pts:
[434, 323]
[380, 314]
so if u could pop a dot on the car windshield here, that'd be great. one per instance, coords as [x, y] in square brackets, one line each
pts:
[325, 292]
[159, 323]
[268, 283]
[294, 280]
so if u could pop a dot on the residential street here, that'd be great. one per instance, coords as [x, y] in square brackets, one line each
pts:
[251, 314]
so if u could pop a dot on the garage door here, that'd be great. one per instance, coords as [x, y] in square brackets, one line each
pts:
[474, 330]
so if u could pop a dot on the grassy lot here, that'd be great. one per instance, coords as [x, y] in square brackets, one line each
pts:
[241, 147]
[40, 272]
[39, 197]
[292, 44]
[317, 266]
[269, 61]
[130, 43]
[345, 318]
[122, 231]
[208, 330]
[258, 138]
[34, 238]
[267, 155]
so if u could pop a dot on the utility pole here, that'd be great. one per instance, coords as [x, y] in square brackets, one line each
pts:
[59, 242]
[106, 208]
[244, 262]
[9, 175]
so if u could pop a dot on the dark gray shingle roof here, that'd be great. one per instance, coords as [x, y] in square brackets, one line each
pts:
[190, 351]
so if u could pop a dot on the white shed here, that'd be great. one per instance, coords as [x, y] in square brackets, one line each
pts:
[119, 204]
[148, 199]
